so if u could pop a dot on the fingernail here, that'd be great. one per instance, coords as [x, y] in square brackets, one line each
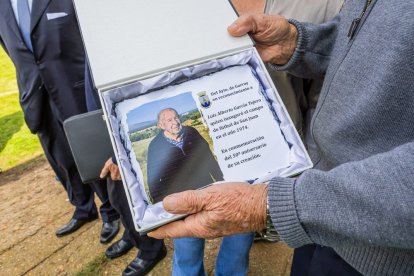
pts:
[170, 203]
[234, 27]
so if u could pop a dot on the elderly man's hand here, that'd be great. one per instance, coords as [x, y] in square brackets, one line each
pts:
[111, 168]
[219, 210]
[276, 38]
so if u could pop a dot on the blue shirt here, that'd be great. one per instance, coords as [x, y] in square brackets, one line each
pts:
[180, 143]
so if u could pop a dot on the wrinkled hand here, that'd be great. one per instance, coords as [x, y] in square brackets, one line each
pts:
[276, 38]
[218, 210]
[111, 168]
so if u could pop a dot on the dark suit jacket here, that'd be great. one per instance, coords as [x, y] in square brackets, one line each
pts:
[171, 170]
[55, 71]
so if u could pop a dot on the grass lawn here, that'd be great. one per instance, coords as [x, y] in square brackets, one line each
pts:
[8, 76]
[17, 144]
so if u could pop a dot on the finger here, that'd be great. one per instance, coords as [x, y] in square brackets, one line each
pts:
[191, 226]
[112, 171]
[117, 172]
[177, 229]
[117, 175]
[188, 202]
[105, 170]
[243, 25]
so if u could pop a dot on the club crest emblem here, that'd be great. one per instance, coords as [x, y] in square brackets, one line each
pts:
[204, 100]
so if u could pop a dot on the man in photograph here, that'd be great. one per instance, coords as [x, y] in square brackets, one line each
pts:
[179, 158]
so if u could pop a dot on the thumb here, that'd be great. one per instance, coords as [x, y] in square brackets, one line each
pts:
[188, 202]
[242, 26]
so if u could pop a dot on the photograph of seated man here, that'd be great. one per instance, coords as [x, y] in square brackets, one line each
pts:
[172, 149]
[179, 158]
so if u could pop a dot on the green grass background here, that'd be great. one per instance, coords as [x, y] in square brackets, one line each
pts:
[17, 144]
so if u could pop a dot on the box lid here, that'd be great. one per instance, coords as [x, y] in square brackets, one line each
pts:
[132, 39]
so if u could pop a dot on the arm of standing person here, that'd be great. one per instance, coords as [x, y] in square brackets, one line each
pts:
[3, 46]
[303, 49]
[367, 202]
[358, 202]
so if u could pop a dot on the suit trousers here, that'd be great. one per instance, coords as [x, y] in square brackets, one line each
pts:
[149, 247]
[58, 153]
[316, 260]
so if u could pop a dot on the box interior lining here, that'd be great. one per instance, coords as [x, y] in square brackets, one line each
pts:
[148, 215]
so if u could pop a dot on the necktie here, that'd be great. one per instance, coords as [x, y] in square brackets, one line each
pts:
[24, 22]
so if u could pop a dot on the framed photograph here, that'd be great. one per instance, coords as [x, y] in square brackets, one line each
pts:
[198, 126]
[217, 127]
[172, 146]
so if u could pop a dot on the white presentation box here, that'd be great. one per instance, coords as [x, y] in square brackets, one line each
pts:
[186, 104]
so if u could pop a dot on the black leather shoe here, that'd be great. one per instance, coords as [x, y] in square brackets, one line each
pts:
[109, 231]
[72, 226]
[140, 267]
[118, 248]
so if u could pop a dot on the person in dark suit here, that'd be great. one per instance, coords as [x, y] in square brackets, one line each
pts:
[43, 40]
[151, 251]
[179, 158]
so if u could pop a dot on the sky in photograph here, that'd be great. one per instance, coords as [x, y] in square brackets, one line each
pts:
[149, 111]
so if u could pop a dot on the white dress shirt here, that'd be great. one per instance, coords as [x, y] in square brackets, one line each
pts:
[14, 6]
